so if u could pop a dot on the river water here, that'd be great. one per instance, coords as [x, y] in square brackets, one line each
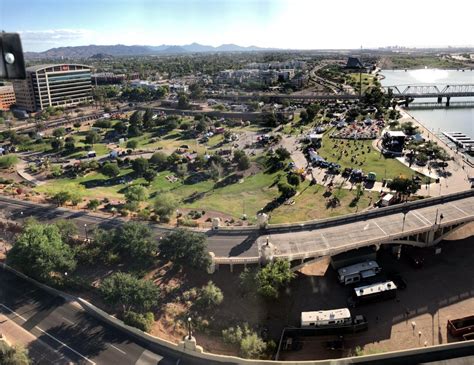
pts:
[444, 120]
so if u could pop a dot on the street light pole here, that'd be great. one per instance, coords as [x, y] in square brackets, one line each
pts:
[85, 230]
[189, 329]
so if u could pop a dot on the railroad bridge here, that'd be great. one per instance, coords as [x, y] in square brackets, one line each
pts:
[409, 92]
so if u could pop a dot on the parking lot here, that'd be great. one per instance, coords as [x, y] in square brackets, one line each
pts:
[443, 288]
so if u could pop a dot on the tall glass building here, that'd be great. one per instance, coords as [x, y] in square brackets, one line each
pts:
[53, 85]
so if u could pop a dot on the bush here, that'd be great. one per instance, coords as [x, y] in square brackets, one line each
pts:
[209, 296]
[8, 161]
[251, 345]
[140, 321]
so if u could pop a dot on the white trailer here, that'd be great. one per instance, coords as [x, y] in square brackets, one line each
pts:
[355, 273]
[332, 317]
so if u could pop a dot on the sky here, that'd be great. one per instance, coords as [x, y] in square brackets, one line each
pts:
[288, 24]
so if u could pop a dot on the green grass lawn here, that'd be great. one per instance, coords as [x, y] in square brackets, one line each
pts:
[311, 204]
[365, 157]
[249, 196]
[367, 80]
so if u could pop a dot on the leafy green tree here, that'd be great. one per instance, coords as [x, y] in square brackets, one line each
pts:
[143, 322]
[185, 248]
[120, 127]
[132, 144]
[271, 278]
[293, 179]
[69, 146]
[148, 119]
[110, 169]
[282, 153]
[183, 101]
[92, 137]
[67, 229]
[160, 160]
[286, 190]
[164, 205]
[209, 296]
[61, 197]
[135, 239]
[136, 119]
[149, 175]
[140, 165]
[403, 185]
[41, 253]
[59, 132]
[136, 193]
[93, 204]
[131, 294]
[57, 144]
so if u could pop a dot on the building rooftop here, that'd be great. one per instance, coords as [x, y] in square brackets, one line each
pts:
[41, 67]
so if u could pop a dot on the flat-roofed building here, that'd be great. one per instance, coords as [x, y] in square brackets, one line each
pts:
[53, 85]
[7, 97]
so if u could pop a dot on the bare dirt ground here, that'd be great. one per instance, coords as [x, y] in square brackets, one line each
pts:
[442, 289]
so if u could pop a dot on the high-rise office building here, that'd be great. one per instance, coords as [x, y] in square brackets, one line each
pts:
[53, 85]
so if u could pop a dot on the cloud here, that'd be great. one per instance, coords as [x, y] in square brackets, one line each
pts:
[54, 36]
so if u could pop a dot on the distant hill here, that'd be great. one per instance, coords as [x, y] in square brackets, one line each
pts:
[96, 51]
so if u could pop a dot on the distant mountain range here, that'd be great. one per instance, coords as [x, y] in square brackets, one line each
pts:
[122, 50]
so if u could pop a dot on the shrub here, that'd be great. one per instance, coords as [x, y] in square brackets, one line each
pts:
[8, 161]
[140, 321]
[209, 296]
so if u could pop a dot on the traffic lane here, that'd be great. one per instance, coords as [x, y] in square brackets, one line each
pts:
[65, 326]
[233, 245]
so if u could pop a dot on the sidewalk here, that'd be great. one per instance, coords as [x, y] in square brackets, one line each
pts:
[38, 351]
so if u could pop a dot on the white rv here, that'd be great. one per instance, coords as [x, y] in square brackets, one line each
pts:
[355, 273]
[332, 317]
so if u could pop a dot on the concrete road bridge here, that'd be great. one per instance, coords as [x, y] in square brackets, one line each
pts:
[302, 97]
[421, 223]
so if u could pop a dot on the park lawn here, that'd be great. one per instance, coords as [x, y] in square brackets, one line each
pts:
[311, 204]
[371, 161]
[77, 186]
[247, 197]
[367, 80]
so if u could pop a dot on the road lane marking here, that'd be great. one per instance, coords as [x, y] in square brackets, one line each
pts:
[115, 347]
[421, 216]
[63, 344]
[15, 313]
[68, 320]
[375, 222]
[46, 333]
[462, 211]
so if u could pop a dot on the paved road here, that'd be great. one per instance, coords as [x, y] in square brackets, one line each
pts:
[67, 329]
[243, 244]
[331, 240]
[73, 334]
[17, 210]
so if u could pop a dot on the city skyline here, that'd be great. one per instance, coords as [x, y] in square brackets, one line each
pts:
[299, 24]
